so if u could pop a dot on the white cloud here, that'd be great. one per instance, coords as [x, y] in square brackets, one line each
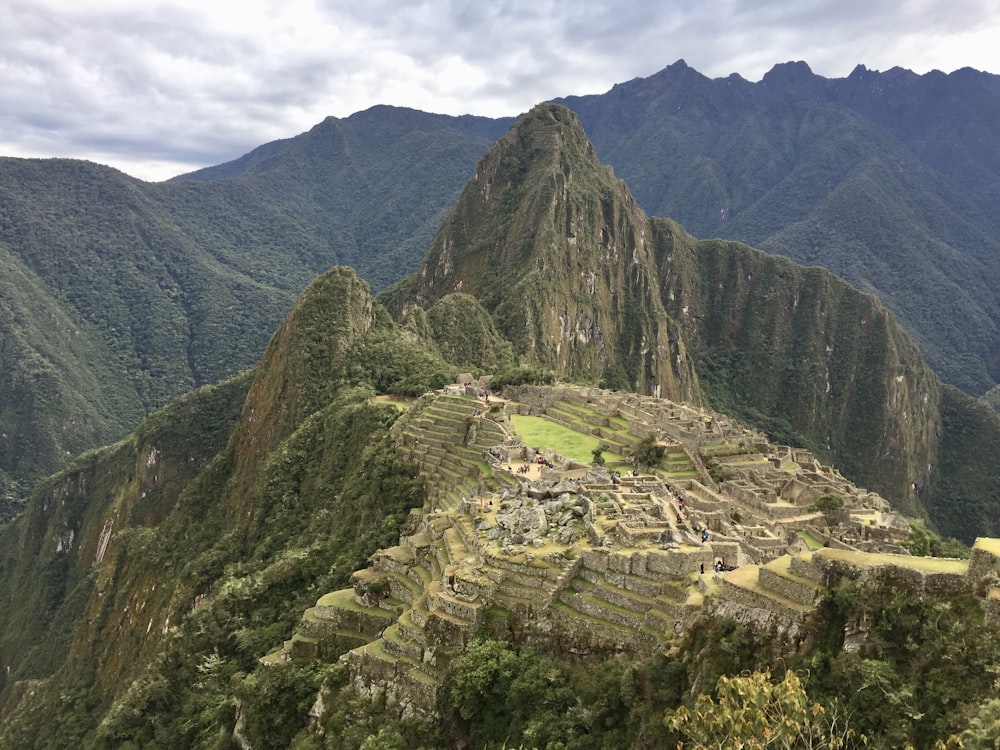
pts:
[160, 88]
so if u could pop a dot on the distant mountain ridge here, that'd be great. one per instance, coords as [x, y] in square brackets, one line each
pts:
[888, 179]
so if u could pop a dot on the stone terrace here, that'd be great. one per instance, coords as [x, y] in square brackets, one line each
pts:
[575, 556]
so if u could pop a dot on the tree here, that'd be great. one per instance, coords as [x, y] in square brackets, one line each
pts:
[830, 505]
[649, 452]
[598, 454]
[754, 713]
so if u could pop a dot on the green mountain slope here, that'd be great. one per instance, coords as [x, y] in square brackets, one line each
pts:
[861, 175]
[170, 286]
[555, 249]
[889, 179]
[807, 358]
[227, 507]
[585, 284]
[145, 583]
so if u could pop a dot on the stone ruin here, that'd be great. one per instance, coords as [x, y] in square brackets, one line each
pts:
[582, 559]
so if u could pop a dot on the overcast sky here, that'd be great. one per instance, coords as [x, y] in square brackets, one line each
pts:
[160, 87]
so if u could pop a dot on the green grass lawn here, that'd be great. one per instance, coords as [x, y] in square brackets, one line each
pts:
[538, 432]
[811, 541]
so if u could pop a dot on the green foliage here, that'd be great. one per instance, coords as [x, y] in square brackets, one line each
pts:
[920, 670]
[502, 696]
[831, 505]
[392, 363]
[750, 711]
[326, 497]
[966, 483]
[122, 294]
[466, 336]
[522, 375]
[984, 727]
[598, 454]
[927, 543]
[649, 452]
[715, 469]
[275, 704]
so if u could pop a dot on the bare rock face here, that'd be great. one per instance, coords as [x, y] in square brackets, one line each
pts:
[584, 284]
[560, 254]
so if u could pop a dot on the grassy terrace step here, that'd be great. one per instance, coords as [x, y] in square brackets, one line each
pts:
[437, 600]
[527, 593]
[457, 551]
[562, 413]
[340, 606]
[581, 410]
[401, 586]
[490, 429]
[594, 605]
[450, 414]
[399, 555]
[468, 454]
[622, 597]
[442, 555]
[567, 609]
[420, 573]
[437, 444]
[400, 646]
[409, 629]
[413, 668]
[418, 612]
[660, 622]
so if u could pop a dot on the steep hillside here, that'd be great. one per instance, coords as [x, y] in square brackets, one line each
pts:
[805, 356]
[555, 249]
[889, 179]
[583, 283]
[206, 530]
[159, 288]
[872, 176]
[195, 584]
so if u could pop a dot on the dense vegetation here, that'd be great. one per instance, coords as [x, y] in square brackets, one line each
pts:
[222, 535]
[145, 582]
[116, 295]
[923, 674]
[872, 176]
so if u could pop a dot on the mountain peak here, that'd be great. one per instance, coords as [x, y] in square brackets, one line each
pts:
[547, 127]
[556, 249]
[796, 70]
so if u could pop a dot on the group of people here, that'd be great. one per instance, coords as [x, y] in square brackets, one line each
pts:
[719, 567]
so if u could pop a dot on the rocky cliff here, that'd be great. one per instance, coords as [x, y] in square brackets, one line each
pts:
[584, 283]
[557, 250]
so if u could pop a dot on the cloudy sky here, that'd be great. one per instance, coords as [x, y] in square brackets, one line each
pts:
[160, 87]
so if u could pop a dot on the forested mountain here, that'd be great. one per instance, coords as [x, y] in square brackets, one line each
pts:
[583, 283]
[146, 583]
[888, 179]
[119, 295]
